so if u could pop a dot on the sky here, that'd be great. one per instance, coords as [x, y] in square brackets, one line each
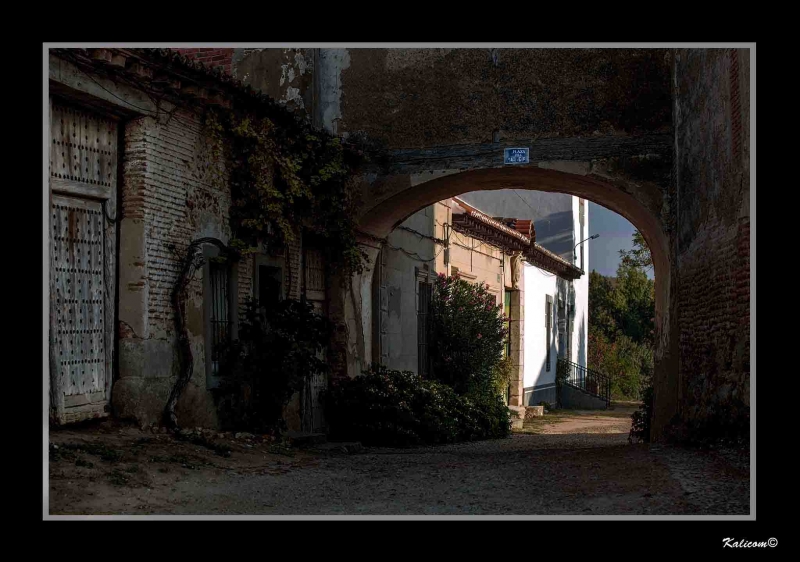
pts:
[615, 234]
[552, 214]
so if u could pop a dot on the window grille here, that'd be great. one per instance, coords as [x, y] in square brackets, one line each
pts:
[220, 311]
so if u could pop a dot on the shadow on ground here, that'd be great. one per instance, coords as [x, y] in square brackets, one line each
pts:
[566, 463]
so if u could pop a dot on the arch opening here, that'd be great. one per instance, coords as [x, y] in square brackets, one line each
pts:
[396, 198]
[633, 202]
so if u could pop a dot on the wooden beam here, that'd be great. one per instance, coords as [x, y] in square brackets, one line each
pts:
[80, 188]
[468, 156]
[63, 73]
[101, 55]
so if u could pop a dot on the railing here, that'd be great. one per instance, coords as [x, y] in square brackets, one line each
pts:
[591, 382]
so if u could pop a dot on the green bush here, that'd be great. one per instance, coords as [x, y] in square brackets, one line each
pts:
[467, 335]
[385, 407]
[502, 375]
[277, 350]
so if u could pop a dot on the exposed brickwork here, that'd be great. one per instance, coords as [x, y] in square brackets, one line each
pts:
[713, 245]
[168, 184]
[211, 57]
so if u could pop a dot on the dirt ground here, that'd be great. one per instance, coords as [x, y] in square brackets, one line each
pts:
[565, 463]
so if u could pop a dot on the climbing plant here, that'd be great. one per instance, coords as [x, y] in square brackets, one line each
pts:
[191, 262]
[277, 351]
[287, 177]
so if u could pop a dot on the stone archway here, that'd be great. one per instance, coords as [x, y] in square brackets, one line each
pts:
[640, 202]
[660, 136]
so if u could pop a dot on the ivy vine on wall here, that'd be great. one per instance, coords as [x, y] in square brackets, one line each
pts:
[286, 178]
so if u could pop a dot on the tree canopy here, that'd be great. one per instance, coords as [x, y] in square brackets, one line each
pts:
[621, 321]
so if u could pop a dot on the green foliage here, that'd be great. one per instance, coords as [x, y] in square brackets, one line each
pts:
[639, 256]
[502, 375]
[287, 176]
[278, 349]
[621, 332]
[623, 306]
[621, 326]
[628, 364]
[468, 335]
[399, 408]
[602, 305]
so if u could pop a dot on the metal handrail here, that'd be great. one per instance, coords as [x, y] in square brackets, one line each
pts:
[587, 380]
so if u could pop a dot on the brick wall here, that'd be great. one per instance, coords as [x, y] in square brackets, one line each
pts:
[173, 193]
[713, 240]
[211, 57]
[168, 184]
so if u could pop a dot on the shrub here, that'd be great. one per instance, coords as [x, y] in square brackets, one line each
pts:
[502, 375]
[627, 363]
[467, 335]
[277, 350]
[399, 408]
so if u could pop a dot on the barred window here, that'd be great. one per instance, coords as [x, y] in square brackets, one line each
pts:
[220, 288]
[219, 302]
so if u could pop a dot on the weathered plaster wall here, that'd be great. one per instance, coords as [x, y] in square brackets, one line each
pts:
[398, 274]
[713, 238]
[284, 74]
[427, 97]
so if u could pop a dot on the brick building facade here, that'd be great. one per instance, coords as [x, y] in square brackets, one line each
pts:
[172, 191]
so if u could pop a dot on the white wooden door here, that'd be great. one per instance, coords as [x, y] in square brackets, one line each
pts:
[83, 178]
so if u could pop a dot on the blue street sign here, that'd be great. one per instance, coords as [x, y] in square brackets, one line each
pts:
[516, 155]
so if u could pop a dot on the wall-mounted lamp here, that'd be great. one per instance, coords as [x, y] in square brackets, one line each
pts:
[574, 253]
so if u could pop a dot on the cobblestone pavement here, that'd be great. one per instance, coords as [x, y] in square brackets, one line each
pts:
[112, 469]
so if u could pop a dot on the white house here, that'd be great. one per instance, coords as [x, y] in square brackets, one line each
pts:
[556, 322]
[475, 235]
